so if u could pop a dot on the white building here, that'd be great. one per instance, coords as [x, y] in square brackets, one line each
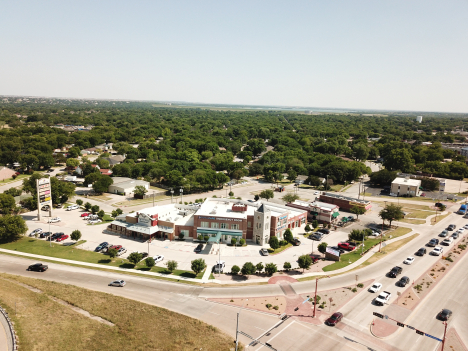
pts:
[123, 185]
[405, 187]
[419, 119]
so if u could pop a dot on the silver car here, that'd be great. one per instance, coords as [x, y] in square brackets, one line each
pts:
[264, 252]
[117, 283]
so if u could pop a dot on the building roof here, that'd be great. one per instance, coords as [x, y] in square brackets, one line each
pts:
[317, 204]
[223, 207]
[301, 178]
[6, 173]
[339, 196]
[407, 181]
[130, 183]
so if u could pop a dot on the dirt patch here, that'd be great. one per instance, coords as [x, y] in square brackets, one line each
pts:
[423, 285]
[408, 299]
[264, 304]
[453, 341]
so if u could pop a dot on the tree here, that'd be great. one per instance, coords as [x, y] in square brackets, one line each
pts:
[242, 242]
[256, 197]
[290, 197]
[274, 243]
[135, 257]
[267, 194]
[79, 202]
[259, 267]
[233, 241]
[73, 162]
[102, 184]
[322, 247]
[399, 159]
[116, 212]
[171, 265]
[235, 269]
[231, 193]
[198, 265]
[391, 212]
[87, 206]
[248, 268]
[7, 203]
[271, 268]
[288, 236]
[140, 190]
[112, 253]
[357, 235]
[11, 228]
[101, 214]
[304, 262]
[315, 223]
[292, 175]
[287, 266]
[357, 210]
[181, 236]
[75, 235]
[95, 209]
[13, 192]
[383, 177]
[74, 152]
[149, 261]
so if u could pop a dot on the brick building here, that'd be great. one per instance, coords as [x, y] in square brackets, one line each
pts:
[343, 202]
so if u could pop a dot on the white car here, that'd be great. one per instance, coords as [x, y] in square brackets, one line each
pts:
[121, 251]
[409, 260]
[466, 226]
[158, 258]
[54, 220]
[117, 283]
[219, 267]
[72, 207]
[36, 231]
[383, 298]
[437, 251]
[316, 193]
[375, 287]
[94, 221]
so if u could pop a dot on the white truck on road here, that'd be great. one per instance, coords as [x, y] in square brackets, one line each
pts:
[383, 298]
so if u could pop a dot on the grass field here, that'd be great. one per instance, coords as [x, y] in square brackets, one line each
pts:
[44, 324]
[11, 180]
[42, 247]
[278, 250]
[439, 218]
[142, 201]
[413, 221]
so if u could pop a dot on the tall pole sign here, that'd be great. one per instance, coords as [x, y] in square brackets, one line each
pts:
[44, 195]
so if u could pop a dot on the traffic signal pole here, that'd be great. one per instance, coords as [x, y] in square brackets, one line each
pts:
[445, 332]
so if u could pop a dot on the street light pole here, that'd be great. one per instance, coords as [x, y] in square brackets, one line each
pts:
[172, 193]
[315, 298]
[237, 326]
[182, 194]
[445, 332]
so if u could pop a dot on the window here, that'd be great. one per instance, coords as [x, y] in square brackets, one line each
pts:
[205, 224]
[185, 232]
[214, 225]
[249, 224]
[267, 225]
[223, 226]
[234, 226]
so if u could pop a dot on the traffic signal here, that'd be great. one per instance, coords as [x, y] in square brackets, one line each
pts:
[419, 332]
[400, 324]
[378, 315]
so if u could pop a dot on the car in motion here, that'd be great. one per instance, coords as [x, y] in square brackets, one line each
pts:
[383, 298]
[375, 287]
[296, 242]
[62, 237]
[347, 246]
[120, 283]
[158, 258]
[403, 281]
[409, 260]
[395, 271]
[54, 220]
[72, 207]
[199, 248]
[444, 315]
[433, 242]
[38, 267]
[421, 252]
[334, 319]
[437, 251]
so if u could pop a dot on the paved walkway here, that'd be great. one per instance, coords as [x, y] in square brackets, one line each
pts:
[6, 341]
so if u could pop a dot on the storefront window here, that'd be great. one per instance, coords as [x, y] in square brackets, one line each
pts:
[234, 226]
[224, 226]
[214, 225]
[205, 224]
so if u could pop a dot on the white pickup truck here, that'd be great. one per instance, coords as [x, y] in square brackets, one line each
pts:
[383, 298]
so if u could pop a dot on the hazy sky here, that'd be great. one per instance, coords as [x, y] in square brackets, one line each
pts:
[375, 54]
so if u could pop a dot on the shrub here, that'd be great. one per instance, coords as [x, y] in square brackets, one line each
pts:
[287, 266]
[112, 253]
[171, 265]
[198, 265]
[312, 299]
[233, 241]
[235, 269]
[206, 237]
[231, 193]
[360, 285]
[135, 257]
[75, 235]
[259, 267]
[248, 268]
[242, 242]
[274, 243]
[322, 247]
[200, 237]
[304, 261]
[315, 223]
[95, 209]
[288, 237]
[307, 228]
[268, 305]
[271, 268]
[354, 290]
[101, 214]
[79, 202]
[283, 243]
[181, 236]
[150, 262]
[88, 206]
[276, 308]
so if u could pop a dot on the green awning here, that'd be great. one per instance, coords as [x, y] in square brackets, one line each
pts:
[335, 214]
[314, 213]
[215, 231]
[215, 239]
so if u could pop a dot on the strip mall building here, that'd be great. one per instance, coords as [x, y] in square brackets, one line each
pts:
[219, 219]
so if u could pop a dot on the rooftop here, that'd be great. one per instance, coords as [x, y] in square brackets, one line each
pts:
[316, 204]
[339, 196]
[407, 181]
[223, 207]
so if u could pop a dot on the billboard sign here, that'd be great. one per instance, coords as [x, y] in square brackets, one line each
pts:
[44, 194]
[333, 251]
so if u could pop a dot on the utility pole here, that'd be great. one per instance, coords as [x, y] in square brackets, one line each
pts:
[237, 326]
[182, 194]
[445, 332]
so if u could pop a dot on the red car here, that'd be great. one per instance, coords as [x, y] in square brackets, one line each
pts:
[62, 238]
[334, 319]
[85, 214]
[117, 247]
[347, 246]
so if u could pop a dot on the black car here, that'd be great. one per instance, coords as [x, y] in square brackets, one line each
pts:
[395, 271]
[324, 231]
[439, 204]
[101, 246]
[45, 234]
[38, 267]
[56, 235]
[433, 242]
[316, 237]
[403, 281]
[144, 255]
[451, 227]
[199, 248]
[337, 249]
[421, 252]
[444, 315]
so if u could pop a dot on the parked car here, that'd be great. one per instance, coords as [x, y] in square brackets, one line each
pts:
[455, 235]
[375, 287]
[346, 246]
[36, 231]
[324, 231]
[94, 221]
[421, 252]
[121, 251]
[316, 192]
[58, 206]
[444, 315]
[219, 267]
[337, 249]
[45, 234]
[158, 258]
[62, 237]
[403, 281]
[72, 207]
[143, 255]
[409, 260]
[38, 267]
[296, 242]
[350, 218]
[101, 246]
[447, 242]
[316, 237]
[444, 233]
[45, 208]
[433, 242]
[264, 252]
[451, 227]
[383, 298]
[437, 251]
[54, 220]
[86, 214]
[120, 283]
[199, 248]
[56, 235]
[395, 271]
[439, 204]
[116, 247]
[334, 319]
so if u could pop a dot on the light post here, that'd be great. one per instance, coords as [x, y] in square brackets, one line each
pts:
[362, 246]
[326, 184]
[182, 194]
[237, 326]
[445, 332]
[315, 298]
[172, 193]
[50, 236]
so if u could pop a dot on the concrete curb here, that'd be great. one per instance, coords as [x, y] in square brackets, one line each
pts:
[11, 337]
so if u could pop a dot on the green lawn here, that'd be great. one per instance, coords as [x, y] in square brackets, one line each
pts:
[281, 248]
[11, 180]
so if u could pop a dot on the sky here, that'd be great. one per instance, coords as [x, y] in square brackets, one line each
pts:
[360, 54]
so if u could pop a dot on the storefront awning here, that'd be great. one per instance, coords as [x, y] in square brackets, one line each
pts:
[335, 214]
[313, 213]
[215, 231]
